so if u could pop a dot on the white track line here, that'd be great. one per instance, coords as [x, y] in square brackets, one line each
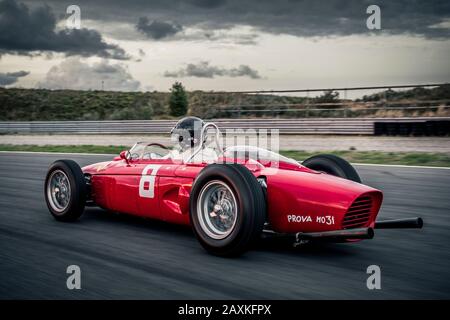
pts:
[62, 153]
[112, 155]
[398, 166]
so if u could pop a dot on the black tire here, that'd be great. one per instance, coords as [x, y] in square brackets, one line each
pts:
[75, 206]
[333, 165]
[250, 204]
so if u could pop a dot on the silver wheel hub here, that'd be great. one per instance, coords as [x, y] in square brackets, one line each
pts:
[58, 191]
[217, 209]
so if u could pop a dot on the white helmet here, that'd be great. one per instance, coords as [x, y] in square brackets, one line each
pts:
[187, 132]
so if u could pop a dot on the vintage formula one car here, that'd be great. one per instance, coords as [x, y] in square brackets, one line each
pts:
[230, 196]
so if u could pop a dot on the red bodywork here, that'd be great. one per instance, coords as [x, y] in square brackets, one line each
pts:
[298, 199]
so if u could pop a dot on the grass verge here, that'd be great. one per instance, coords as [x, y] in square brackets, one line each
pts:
[376, 157]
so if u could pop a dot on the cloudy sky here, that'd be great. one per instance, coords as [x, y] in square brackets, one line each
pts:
[222, 44]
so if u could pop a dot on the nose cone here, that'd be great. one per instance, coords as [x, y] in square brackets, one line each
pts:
[307, 202]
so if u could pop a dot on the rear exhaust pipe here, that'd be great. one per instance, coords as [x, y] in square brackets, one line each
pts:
[410, 223]
[359, 233]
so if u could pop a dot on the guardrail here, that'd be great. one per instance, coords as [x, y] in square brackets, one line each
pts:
[334, 126]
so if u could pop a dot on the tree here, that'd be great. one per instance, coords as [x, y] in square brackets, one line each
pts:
[178, 103]
[329, 96]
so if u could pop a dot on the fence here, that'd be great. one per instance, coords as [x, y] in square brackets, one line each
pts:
[348, 109]
[334, 126]
[385, 104]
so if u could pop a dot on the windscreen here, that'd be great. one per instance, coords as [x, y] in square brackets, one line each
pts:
[255, 153]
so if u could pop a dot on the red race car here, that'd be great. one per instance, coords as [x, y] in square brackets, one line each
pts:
[229, 196]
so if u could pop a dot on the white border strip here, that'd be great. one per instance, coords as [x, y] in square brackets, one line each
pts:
[112, 155]
[398, 166]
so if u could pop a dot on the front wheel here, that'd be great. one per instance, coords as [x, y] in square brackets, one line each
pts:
[65, 190]
[227, 209]
[333, 165]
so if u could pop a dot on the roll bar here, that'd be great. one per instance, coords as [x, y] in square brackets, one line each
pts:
[203, 139]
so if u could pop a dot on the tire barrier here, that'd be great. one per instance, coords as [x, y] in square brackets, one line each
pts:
[412, 128]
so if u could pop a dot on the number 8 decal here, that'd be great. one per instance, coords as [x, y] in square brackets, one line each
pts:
[150, 179]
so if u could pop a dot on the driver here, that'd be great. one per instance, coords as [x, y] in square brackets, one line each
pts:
[186, 134]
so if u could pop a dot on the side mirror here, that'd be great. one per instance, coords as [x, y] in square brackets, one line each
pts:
[125, 155]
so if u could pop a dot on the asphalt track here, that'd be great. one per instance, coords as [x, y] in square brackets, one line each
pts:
[125, 257]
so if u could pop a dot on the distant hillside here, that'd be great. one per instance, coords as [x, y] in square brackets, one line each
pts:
[437, 93]
[41, 104]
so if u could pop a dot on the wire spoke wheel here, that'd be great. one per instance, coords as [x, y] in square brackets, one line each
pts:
[65, 190]
[217, 209]
[58, 190]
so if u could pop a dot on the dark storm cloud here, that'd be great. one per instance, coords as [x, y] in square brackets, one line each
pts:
[157, 29]
[207, 3]
[11, 77]
[306, 18]
[25, 31]
[204, 70]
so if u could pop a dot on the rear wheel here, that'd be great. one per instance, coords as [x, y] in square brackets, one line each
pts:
[227, 209]
[65, 190]
[333, 165]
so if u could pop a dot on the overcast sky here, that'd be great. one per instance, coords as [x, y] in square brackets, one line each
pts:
[222, 44]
